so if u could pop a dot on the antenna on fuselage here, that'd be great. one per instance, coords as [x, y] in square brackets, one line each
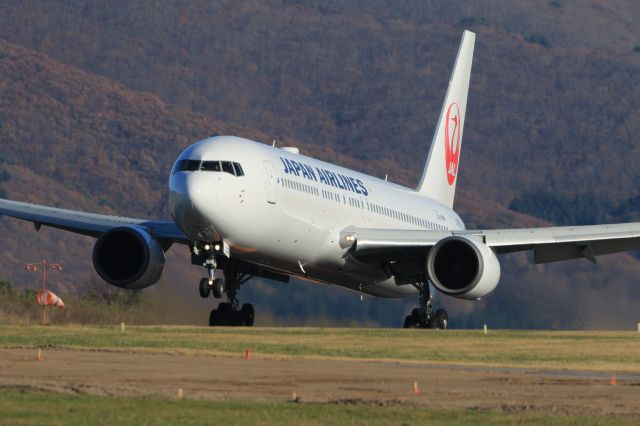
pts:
[386, 175]
[274, 143]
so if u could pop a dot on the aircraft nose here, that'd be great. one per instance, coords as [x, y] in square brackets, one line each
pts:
[192, 200]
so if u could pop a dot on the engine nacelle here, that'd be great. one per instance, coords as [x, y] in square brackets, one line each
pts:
[463, 267]
[128, 257]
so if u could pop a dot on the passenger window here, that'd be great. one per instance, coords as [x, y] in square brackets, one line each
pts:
[238, 168]
[228, 167]
[210, 166]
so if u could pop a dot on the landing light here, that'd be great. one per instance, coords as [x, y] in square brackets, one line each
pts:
[216, 247]
[207, 247]
[350, 238]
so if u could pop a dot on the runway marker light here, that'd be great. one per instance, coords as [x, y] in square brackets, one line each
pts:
[485, 329]
[416, 389]
[614, 379]
[180, 394]
[39, 357]
[247, 354]
[122, 327]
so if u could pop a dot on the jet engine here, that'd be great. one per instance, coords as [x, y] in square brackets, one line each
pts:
[128, 257]
[463, 267]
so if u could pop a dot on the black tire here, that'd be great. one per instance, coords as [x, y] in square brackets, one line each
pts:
[247, 314]
[408, 321]
[236, 319]
[440, 320]
[204, 288]
[225, 313]
[217, 288]
[413, 320]
[214, 318]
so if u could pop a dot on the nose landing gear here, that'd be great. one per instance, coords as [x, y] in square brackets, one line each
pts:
[211, 284]
[423, 316]
[208, 286]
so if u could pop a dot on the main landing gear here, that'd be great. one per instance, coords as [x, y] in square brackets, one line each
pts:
[229, 312]
[423, 316]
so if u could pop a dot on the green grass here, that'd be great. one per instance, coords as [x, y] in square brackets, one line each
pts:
[35, 408]
[605, 351]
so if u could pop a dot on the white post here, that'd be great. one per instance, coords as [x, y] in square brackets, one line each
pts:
[485, 329]
[639, 327]
[122, 327]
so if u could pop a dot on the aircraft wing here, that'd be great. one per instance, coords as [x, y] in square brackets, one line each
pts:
[549, 244]
[87, 223]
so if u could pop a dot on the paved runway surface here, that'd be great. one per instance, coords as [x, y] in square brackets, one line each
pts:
[318, 381]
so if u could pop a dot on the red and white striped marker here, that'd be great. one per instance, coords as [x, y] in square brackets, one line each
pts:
[48, 298]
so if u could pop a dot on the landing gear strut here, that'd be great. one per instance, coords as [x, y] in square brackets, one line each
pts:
[423, 316]
[229, 312]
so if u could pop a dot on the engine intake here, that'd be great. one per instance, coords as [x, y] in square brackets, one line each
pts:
[463, 267]
[128, 257]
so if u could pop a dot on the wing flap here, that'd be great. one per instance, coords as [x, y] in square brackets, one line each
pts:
[545, 253]
[558, 234]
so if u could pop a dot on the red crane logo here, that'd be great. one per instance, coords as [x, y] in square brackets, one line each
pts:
[452, 141]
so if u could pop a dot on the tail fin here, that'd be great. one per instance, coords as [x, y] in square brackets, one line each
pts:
[440, 173]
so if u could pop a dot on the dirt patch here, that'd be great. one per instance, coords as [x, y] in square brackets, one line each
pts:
[313, 381]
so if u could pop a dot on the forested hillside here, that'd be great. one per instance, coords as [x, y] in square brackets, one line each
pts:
[97, 99]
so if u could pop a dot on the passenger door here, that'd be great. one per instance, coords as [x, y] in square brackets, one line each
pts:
[270, 182]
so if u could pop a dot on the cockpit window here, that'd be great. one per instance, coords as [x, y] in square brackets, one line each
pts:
[187, 166]
[177, 167]
[228, 167]
[238, 168]
[210, 166]
[191, 165]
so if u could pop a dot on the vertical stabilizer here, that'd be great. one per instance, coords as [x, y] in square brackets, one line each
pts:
[440, 173]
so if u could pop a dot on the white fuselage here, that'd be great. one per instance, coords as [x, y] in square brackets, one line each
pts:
[287, 210]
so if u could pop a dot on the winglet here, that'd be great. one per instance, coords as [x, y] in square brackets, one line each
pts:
[440, 173]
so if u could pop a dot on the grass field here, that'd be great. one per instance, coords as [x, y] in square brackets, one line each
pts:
[579, 350]
[24, 402]
[43, 409]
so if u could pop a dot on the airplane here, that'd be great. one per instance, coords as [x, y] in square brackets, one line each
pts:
[249, 209]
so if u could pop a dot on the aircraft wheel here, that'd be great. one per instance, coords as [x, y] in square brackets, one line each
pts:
[236, 318]
[204, 288]
[440, 320]
[413, 320]
[217, 288]
[225, 312]
[214, 318]
[416, 314]
[408, 321]
[247, 314]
